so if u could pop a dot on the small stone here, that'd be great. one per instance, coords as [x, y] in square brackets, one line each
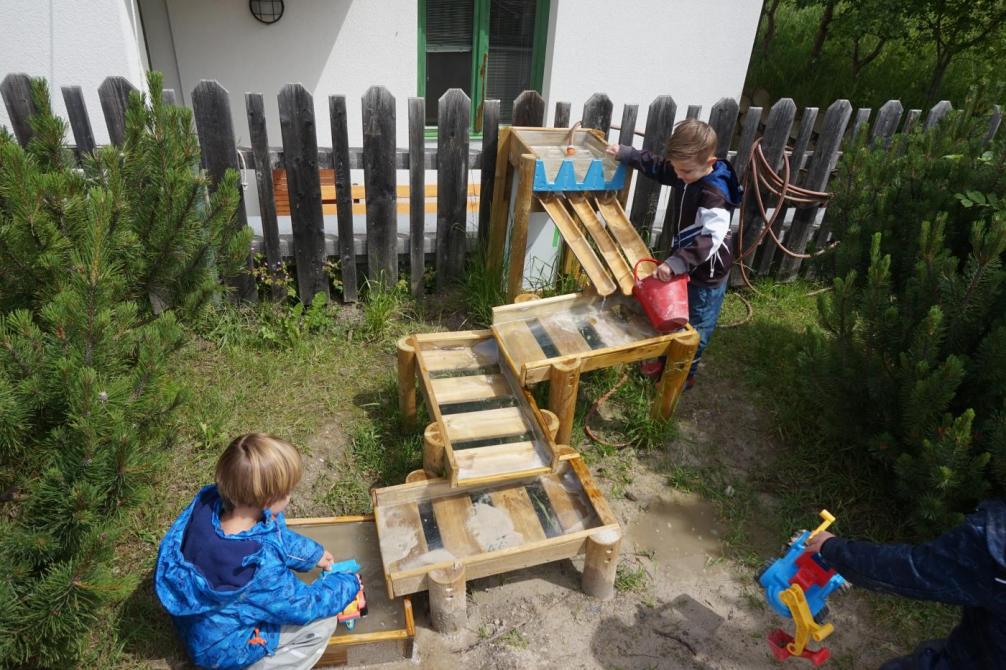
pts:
[631, 496]
[729, 492]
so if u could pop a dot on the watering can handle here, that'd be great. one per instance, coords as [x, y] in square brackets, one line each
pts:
[635, 268]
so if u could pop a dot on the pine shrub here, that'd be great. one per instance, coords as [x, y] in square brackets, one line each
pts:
[911, 364]
[98, 263]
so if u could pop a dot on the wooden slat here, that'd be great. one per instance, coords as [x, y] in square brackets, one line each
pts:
[529, 109]
[561, 115]
[749, 129]
[114, 96]
[911, 119]
[300, 146]
[572, 233]
[859, 124]
[886, 123]
[211, 110]
[693, 111]
[343, 201]
[593, 493]
[255, 106]
[402, 516]
[659, 126]
[452, 513]
[486, 424]
[571, 509]
[625, 234]
[766, 253]
[519, 507]
[520, 343]
[454, 110]
[417, 182]
[379, 177]
[823, 162]
[469, 388]
[597, 113]
[456, 359]
[567, 341]
[995, 120]
[602, 239]
[490, 143]
[723, 119]
[504, 461]
[518, 231]
[626, 136]
[168, 97]
[16, 91]
[773, 144]
[937, 113]
[80, 122]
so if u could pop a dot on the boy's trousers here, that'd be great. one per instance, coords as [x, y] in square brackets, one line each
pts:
[300, 647]
[704, 304]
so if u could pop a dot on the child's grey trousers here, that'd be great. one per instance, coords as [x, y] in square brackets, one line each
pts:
[299, 647]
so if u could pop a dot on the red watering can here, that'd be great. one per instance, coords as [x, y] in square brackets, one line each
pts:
[665, 302]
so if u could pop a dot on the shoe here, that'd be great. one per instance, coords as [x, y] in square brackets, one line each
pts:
[652, 368]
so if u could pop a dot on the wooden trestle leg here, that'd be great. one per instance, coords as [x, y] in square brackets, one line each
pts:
[680, 353]
[600, 564]
[407, 382]
[448, 603]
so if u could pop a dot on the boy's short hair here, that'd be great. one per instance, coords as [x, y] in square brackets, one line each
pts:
[257, 469]
[692, 140]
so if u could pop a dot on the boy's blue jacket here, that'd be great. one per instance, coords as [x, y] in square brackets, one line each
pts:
[965, 566]
[219, 626]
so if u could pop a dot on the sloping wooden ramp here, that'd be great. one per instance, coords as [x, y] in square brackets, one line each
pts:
[607, 248]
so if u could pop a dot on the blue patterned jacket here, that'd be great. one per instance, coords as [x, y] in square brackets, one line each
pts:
[231, 629]
[965, 566]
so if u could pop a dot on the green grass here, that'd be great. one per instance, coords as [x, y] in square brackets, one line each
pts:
[515, 638]
[631, 579]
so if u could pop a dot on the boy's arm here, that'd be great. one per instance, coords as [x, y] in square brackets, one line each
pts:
[302, 553]
[282, 598]
[955, 568]
[650, 165]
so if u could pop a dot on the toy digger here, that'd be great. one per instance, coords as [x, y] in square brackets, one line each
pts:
[357, 609]
[797, 586]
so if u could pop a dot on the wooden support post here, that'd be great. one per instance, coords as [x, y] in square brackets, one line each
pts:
[433, 451]
[521, 214]
[680, 353]
[551, 423]
[448, 606]
[416, 476]
[564, 381]
[525, 297]
[407, 382]
[600, 563]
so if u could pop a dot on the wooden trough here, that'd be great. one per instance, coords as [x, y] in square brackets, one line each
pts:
[556, 339]
[434, 536]
[489, 427]
[388, 631]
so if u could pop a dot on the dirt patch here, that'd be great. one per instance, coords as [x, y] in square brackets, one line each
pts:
[320, 456]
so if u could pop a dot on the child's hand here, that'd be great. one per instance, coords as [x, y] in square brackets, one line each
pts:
[664, 272]
[816, 542]
[326, 560]
[611, 149]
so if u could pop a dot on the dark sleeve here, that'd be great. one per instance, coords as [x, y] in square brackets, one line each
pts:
[955, 568]
[650, 165]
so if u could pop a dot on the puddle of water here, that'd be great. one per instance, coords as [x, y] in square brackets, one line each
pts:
[681, 530]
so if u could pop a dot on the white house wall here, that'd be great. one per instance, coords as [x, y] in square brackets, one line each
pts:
[72, 44]
[635, 50]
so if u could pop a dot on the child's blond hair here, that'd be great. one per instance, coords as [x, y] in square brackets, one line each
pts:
[257, 470]
[692, 140]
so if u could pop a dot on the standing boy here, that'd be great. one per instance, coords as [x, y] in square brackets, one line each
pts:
[702, 241]
[225, 569]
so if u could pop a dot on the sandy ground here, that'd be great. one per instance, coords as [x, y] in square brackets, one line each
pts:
[697, 609]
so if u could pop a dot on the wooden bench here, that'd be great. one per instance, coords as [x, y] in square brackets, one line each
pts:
[328, 204]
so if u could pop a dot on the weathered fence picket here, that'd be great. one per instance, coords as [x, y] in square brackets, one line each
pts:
[561, 115]
[16, 91]
[379, 184]
[211, 108]
[490, 144]
[825, 156]
[80, 123]
[659, 125]
[417, 195]
[597, 113]
[452, 184]
[343, 196]
[114, 96]
[255, 107]
[168, 97]
[300, 157]
[379, 158]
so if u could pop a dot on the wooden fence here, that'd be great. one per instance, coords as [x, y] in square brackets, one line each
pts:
[813, 147]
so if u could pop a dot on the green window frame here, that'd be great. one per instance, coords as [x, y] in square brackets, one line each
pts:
[480, 54]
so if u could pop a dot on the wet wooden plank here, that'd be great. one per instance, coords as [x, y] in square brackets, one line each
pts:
[625, 234]
[567, 341]
[602, 240]
[457, 359]
[518, 505]
[520, 343]
[396, 526]
[571, 509]
[452, 513]
[504, 461]
[485, 424]
[449, 390]
[574, 238]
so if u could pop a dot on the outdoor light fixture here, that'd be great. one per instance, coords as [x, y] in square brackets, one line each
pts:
[266, 11]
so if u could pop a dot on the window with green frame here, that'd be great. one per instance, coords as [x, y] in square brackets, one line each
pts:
[491, 49]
